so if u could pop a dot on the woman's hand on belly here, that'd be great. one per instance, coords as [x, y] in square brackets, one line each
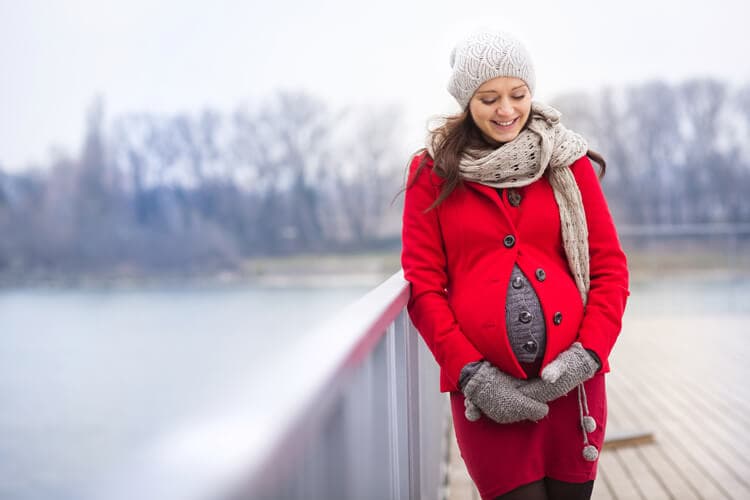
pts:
[496, 394]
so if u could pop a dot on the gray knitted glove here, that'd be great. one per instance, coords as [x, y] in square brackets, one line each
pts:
[569, 368]
[496, 394]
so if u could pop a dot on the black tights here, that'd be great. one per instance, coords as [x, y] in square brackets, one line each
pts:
[550, 489]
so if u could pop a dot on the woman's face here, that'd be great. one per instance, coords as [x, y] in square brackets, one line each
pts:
[500, 108]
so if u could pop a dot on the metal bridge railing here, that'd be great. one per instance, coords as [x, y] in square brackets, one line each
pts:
[353, 413]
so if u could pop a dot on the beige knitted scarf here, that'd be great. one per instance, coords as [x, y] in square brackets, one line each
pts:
[544, 144]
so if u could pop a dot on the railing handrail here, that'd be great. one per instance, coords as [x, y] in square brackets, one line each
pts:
[347, 338]
[235, 449]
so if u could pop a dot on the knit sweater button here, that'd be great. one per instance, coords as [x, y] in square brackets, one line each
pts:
[517, 282]
[509, 241]
[524, 317]
[531, 346]
[557, 318]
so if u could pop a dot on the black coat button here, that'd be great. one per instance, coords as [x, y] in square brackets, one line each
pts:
[530, 346]
[540, 274]
[524, 317]
[509, 241]
[514, 197]
[517, 282]
[557, 318]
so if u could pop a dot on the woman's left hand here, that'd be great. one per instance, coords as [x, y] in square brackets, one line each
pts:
[569, 368]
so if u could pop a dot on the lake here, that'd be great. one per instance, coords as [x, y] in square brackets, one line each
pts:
[86, 377]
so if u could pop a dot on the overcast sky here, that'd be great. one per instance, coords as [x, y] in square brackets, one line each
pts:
[167, 56]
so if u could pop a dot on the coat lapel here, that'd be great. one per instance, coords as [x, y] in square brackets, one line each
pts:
[492, 194]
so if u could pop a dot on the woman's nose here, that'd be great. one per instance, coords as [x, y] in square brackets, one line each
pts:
[504, 108]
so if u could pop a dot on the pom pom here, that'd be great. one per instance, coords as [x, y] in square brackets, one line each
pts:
[589, 424]
[590, 453]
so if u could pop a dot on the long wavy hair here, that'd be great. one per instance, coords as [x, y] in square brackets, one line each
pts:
[449, 141]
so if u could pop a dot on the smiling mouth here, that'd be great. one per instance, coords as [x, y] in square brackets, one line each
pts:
[505, 125]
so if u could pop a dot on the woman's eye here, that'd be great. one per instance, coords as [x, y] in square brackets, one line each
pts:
[488, 102]
[519, 96]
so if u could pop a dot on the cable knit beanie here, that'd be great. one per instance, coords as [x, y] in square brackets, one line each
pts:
[486, 55]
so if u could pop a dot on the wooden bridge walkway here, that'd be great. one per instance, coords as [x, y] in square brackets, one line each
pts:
[684, 378]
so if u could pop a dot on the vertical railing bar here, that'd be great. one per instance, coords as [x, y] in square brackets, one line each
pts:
[401, 373]
[393, 407]
[413, 405]
[400, 328]
[356, 448]
[368, 411]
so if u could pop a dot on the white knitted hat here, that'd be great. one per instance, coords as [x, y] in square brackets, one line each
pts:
[486, 55]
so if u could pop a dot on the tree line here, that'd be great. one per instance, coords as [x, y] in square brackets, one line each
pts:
[678, 154]
[205, 191]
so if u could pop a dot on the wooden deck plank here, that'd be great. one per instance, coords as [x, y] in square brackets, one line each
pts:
[713, 425]
[715, 377]
[685, 382]
[672, 479]
[683, 456]
[711, 392]
[601, 488]
[619, 477]
[716, 426]
[724, 402]
[646, 482]
[676, 354]
[714, 455]
[706, 476]
[667, 474]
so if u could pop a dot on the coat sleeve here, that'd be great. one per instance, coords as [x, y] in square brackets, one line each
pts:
[602, 318]
[424, 263]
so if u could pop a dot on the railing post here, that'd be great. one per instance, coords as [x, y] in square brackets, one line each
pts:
[411, 340]
[398, 414]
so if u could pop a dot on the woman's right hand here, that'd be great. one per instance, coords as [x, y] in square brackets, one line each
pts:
[496, 394]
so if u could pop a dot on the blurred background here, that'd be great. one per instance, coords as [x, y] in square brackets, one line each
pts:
[187, 188]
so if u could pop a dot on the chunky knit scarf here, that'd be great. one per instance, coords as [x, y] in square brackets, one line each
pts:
[544, 144]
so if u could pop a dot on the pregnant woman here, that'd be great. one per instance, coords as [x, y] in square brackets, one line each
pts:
[518, 280]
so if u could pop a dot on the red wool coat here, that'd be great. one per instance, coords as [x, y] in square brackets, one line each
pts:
[458, 260]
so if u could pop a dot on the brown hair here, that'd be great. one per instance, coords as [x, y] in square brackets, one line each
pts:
[450, 140]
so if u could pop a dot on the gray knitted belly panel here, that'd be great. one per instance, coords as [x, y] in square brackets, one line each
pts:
[524, 319]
